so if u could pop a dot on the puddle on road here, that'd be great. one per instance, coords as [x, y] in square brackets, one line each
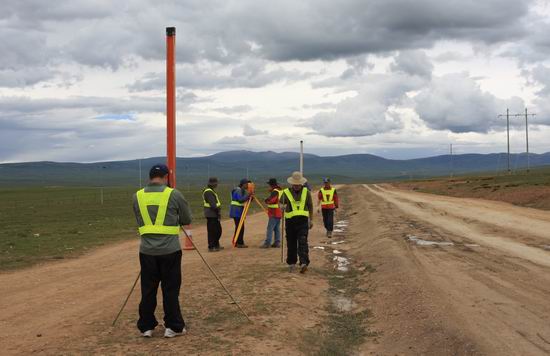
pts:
[422, 242]
[471, 245]
[342, 263]
[336, 242]
[338, 230]
[341, 223]
[343, 304]
[318, 248]
[337, 252]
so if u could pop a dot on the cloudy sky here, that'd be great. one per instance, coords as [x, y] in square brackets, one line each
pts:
[84, 80]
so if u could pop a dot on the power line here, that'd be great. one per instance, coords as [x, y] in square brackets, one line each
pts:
[526, 115]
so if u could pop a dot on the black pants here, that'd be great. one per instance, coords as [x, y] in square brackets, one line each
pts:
[166, 270]
[297, 229]
[328, 219]
[214, 228]
[240, 239]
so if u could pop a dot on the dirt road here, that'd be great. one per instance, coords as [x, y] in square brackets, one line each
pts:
[406, 273]
[463, 276]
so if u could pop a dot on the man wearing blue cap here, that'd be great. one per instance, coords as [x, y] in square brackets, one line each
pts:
[160, 212]
[239, 197]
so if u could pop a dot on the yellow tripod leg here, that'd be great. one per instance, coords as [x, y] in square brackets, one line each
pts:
[241, 222]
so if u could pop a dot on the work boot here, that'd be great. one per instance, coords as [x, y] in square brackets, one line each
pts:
[242, 246]
[219, 248]
[276, 245]
[291, 268]
[169, 333]
[213, 249]
[147, 333]
[303, 268]
[329, 234]
[264, 245]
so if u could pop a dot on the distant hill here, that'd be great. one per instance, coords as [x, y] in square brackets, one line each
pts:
[233, 165]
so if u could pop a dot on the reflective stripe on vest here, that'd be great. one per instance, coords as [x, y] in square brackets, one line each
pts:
[205, 203]
[298, 208]
[328, 196]
[275, 206]
[159, 199]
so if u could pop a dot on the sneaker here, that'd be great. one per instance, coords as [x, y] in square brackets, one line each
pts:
[242, 246]
[220, 248]
[291, 268]
[276, 245]
[264, 246]
[303, 268]
[329, 234]
[169, 333]
[213, 249]
[148, 333]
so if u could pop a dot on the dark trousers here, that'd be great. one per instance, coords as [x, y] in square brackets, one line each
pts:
[240, 239]
[297, 229]
[328, 219]
[214, 228]
[166, 270]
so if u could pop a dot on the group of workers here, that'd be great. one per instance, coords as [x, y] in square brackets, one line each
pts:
[161, 211]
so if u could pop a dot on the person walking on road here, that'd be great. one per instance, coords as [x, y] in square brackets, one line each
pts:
[212, 213]
[274, 213]
[239, 196]
[299, 220]
[160, 212]
[328, 199]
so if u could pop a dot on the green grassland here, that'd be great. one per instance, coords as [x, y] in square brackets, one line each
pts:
[48, 223]
[529, 189]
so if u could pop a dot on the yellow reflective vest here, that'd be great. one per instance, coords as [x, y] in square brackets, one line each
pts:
[275, 206]
[328, 196]
[297, 208]
[205, 203]
[159, 199]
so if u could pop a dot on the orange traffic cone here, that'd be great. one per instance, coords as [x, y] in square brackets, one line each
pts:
[187, 244]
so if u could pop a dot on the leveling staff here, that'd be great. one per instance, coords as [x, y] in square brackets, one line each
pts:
[299, 219]
[160, 212]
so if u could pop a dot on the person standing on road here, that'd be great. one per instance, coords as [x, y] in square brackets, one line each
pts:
[160, 212]
[212, 213]
[239, 196]
[328, 199]
[299, 220]
[274, 213]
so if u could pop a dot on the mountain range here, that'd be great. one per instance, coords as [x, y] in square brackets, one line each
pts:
[231, 166]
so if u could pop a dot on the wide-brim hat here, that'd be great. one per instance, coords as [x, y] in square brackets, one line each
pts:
[296, 179]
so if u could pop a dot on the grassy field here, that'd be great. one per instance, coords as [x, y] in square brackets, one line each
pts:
[529, 189]
[48, 223]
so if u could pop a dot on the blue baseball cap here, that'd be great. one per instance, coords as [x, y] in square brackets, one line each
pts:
[159, 170]
[326, 180]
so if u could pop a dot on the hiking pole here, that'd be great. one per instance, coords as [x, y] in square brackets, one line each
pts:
[218, 278]
[283, 233]
[128, 297]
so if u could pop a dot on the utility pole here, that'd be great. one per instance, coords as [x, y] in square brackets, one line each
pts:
[140, 185]
[527, 137]
[302, 157]
[507, 136]
[526, 115]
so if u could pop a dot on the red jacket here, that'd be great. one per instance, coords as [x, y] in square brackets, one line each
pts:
[329, 206]
[274, 199]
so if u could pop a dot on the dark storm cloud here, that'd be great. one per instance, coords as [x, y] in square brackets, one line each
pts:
[109, 34]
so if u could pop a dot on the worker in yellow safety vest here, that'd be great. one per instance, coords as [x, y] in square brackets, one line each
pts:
[160, 213]
[328, 200]
[298, 213]
[212, 213]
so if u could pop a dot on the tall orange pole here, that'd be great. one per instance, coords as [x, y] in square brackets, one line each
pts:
[171, 104]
